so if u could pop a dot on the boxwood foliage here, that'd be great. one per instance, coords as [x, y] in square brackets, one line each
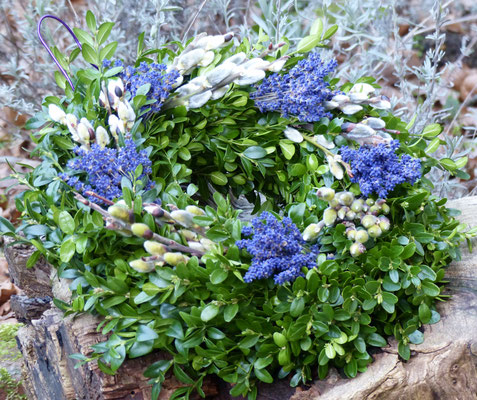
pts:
[201, 312]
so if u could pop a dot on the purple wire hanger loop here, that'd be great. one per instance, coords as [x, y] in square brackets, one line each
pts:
[62, 70]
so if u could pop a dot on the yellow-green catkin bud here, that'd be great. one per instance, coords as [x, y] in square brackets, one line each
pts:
[361, 236]
[154, 248]
[142, 266]
[384, 223]
[182, 217]
[142, 230]
[351, 233]
[155, 211]
[385, 208]
[311, 232]
[375, 209]
[174, 258]
[195, 210]
[188, 235]
[326, 193]
[342, 212]
[119, 212]
[369, 202]
[357, 249]
[207, 243]
[368, 221]
[375, 231]
[334, 203]
[345, 198]
[329, 216]
[196, 246]
[350, 215]
[357, 205]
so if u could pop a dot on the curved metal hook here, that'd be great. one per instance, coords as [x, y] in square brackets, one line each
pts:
[62, 70]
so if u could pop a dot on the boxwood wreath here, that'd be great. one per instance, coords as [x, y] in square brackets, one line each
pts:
[137, 201]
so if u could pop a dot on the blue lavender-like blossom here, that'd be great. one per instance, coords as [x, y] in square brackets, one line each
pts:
[278, 249]
[378, 168]
[105, 167]
[301, 92]
[155, 74]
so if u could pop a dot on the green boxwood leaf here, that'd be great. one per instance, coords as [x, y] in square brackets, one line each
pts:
[230, 312]
[330, 32]
[430, 289]
[417, 337]
[144, 333]
[263, 375]
[104, 31]
[360, 344]
[89, 54]
[424, 313]
[67, 250]
[209, 312]
[261, 363]
[175, 330]
[6, 225]
[297, 306]
[431, 131]
[288, 149]
[91, 21]
[218, 178]
[139, 349]
[375, 339]
[157, 369]
[255, 152]
[66, 223]
[308, 43]
[404, 351]
[218, 276]
[108, 51]
[351, 369]
[182, 376]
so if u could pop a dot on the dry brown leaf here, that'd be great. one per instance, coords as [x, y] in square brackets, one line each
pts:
[7, 289]
[5, 308]
[469, 85]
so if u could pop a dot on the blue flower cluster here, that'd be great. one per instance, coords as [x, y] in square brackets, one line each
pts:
[378, 169]
[155, 74]
[105, 168]
[278, 249]
[300, 93]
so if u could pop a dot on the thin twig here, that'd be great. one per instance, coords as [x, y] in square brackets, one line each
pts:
[245, 16]
[464, 103]
[413, 33]
[451, 22]
[17, 160]
[123, 225]
[103, 199]
[193, 19]
[74, 12]
[277, 31]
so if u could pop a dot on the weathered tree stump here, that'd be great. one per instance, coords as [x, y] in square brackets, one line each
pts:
[443, 367]
[48, 339]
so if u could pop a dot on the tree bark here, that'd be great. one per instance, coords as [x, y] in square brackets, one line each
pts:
[443, 367]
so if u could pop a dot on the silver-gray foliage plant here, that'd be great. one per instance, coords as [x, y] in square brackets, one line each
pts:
[367, 43]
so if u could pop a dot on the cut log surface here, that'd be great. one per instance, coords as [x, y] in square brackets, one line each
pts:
[34, 282]
[444, 367]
